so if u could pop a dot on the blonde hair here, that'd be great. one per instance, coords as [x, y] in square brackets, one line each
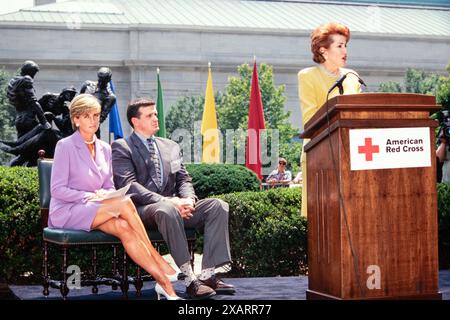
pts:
[82, 104]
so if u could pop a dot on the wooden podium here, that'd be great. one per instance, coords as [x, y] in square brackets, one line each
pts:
[385, 218]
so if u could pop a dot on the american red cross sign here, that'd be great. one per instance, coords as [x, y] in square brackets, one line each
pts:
[390, 148]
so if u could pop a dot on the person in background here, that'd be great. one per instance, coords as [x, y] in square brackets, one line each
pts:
[443, 154]
[280, 175]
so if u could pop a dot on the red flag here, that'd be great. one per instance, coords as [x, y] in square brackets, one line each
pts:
[255, 124]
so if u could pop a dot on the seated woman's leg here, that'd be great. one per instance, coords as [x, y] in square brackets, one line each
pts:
[135, 248]
[125, 209]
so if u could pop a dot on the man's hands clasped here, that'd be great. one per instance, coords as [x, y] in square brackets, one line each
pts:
[185, 206]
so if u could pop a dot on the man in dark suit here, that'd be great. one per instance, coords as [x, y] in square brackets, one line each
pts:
[162, 191]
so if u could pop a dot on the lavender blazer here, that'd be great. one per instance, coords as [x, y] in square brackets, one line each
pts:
[75, 177]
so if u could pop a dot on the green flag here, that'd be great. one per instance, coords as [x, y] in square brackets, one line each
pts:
[160, 109]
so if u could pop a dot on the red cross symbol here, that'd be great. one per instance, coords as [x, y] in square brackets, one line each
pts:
[368, 149]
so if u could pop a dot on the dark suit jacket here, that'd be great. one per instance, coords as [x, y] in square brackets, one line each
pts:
[132, 164]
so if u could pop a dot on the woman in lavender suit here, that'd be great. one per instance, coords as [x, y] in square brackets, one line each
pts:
[81, 176]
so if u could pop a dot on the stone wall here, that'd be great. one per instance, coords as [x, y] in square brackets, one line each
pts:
[69, 57]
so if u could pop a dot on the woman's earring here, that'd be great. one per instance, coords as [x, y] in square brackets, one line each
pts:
[77, 125]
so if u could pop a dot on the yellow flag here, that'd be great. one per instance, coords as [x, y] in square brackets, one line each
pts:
[211, 146]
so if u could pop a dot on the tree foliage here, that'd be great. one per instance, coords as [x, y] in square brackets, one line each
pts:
[443, 93]
[232, 110]
[416, 81]
[390, 86]
[184, 114]
[7, 115]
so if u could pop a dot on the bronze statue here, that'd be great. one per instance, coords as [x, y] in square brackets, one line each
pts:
[102, 91]
[34, 117]
[56, 109]
[22, 96]
[34, 131]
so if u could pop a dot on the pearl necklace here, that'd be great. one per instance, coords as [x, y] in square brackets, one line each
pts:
[90, 142]
[330, 74]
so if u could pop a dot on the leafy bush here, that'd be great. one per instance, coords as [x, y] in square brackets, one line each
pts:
[444, 224]
[263, 225]
[213, 179]
[20, 226]
[267, 234]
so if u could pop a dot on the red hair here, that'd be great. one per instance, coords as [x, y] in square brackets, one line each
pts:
[321, 37]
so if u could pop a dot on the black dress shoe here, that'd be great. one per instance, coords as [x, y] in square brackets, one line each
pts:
[219, 286]
[198, 290]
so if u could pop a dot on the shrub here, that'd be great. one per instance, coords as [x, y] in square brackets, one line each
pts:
[20, 227]
[263, 225]
[213, 179]
[267, 234]
[444, 224]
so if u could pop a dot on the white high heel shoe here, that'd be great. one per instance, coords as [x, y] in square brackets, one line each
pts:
[160, 291]
[172, 277]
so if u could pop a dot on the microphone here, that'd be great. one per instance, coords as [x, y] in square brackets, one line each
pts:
[359, 78]
[339, 82]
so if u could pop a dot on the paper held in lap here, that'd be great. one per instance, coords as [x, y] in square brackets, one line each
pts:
[114, 194]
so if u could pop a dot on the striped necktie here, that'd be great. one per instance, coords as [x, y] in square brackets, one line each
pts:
[155, 159]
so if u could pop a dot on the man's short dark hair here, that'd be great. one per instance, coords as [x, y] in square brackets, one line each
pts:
[133, 108]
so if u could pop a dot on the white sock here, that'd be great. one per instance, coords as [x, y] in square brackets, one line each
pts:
[207, 273]
[188, 272]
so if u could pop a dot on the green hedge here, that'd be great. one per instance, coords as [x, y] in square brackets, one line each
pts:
[20, 227]
[268, 236]
[213, 179]
[443, 190]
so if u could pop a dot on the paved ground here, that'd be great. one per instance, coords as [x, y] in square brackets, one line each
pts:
[271, 288]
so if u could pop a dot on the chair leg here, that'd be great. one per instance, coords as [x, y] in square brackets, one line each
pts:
[63, 288]
[114, 267]
[94, 270]
[45, 267]
[138, 283]
[124, 283]
[191, 244]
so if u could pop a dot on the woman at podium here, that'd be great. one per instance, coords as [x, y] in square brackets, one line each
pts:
[329, 49]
